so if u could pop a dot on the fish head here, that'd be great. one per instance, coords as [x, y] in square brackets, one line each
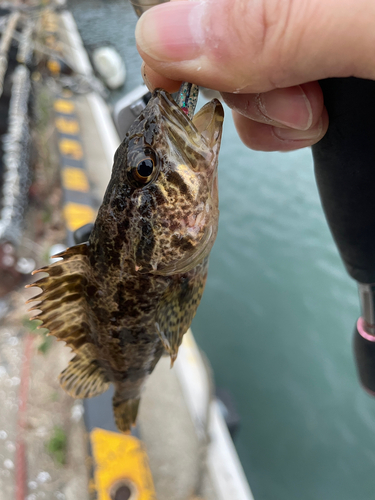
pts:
[169, 163]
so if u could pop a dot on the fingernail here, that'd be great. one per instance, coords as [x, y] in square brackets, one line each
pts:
[171, 31]
[289, 106]
[145, 78]
[289, 134]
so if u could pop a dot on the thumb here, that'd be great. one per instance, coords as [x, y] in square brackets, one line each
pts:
[258, 45]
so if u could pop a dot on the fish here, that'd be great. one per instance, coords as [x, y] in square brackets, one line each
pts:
[129, 294]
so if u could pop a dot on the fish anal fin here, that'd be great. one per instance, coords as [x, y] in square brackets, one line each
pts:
[84, 377]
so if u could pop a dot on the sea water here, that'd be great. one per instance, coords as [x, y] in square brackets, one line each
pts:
[277, 316]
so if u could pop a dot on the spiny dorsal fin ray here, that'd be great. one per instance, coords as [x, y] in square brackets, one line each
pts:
[81, 249]
[62, 304]
[36, 298]
[177, 310]
[84, 377]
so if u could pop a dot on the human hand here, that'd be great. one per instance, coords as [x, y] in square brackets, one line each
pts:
[264, 56]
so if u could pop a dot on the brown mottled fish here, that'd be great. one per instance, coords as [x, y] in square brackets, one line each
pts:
[130, 293]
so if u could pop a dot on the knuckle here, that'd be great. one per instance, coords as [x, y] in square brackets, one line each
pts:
[281, 35]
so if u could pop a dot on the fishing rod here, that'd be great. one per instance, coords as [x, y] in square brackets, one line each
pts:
[345, 173]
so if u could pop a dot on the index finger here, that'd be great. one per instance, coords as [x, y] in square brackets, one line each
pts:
[154, 80]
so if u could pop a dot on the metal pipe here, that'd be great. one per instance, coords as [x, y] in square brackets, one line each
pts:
[5, 44]
[367, 300]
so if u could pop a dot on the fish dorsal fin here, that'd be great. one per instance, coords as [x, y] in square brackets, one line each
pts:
[63, 303]
[177, 309]
[84, 377]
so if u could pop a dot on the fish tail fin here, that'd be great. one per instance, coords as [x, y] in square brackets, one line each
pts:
[125, 411]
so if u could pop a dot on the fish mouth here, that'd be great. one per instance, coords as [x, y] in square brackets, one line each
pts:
[175, 117]
[169, 106]
[202, 133]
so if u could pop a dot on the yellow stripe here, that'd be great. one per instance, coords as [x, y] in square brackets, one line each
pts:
[71, 148]
[77, 215]
[53, 66]
[120, 460]
[64, 106]
[50, 40]
[67, 126]
[50, 26]
[75, 179]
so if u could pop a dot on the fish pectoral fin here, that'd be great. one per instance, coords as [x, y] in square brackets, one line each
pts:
[171, 335]
[177, 310]
[84, 377]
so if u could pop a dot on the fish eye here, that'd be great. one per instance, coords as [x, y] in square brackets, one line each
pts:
[144, 169]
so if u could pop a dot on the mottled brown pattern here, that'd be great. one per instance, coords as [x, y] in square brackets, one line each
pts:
[132, 291]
